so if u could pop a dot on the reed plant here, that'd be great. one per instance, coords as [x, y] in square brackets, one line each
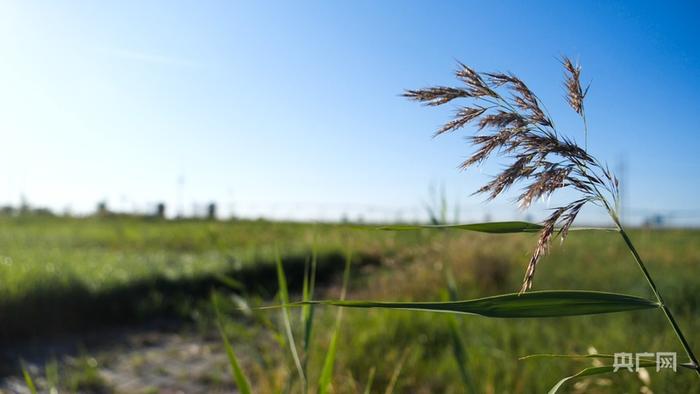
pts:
[512, 122]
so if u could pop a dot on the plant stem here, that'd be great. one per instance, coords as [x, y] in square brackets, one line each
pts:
[652, 285]
[585, 130]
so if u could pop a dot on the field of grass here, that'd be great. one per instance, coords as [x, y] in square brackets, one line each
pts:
[70, 275]
[60, 270]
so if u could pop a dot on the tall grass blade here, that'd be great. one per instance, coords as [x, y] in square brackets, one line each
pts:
[324, 382]
[370, 380]
[307, 311]
[461, 356]
[308, 295]
[28, 379]
[284, 297]
[493, 228]
[591, 371]
[397, 371]
[553, 303]
[238, 376]
[305, 289]
[436, 207]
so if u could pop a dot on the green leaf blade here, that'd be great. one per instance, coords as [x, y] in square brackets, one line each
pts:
[492, 228]
[324, 381]
[528, 305]
[510, 227]
[370, 381]
[239, 376]
[458, 348]
[284, 297]
[28, 379]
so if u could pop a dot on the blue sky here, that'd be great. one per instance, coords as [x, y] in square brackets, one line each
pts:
[293, 108]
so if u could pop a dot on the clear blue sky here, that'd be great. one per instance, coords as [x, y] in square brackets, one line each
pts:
[276, 107]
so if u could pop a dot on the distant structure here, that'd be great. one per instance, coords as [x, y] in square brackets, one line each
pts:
[102, 209]
[211, 211]
[656, 220]
[160, 210]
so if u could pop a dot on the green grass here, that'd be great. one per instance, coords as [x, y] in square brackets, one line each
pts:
[111, 259]
[487, 265]
[77, 273]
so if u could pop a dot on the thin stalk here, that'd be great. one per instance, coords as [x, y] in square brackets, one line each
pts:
[585, 130]
[652, 285]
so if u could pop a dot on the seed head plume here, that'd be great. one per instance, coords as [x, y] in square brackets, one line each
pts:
[517, 127]
[575, 94]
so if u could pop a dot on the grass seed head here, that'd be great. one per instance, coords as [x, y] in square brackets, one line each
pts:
[574, 93]
[516, 127]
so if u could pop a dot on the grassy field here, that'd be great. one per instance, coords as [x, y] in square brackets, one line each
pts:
[60, 270]
[60, 275]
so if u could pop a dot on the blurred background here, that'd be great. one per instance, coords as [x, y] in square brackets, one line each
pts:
[156, 153]
[253, 106]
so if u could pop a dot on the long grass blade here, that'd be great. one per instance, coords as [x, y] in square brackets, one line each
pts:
[397, 371]
[307, 312]
[553, 303]
[284, 297]
[493, 227]
[238, 375]
[305, 289]
[28, 379]
[591, 371]
[324, 382]
[460, 355]
[370, 380]
[308, 295]
[458, 349]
